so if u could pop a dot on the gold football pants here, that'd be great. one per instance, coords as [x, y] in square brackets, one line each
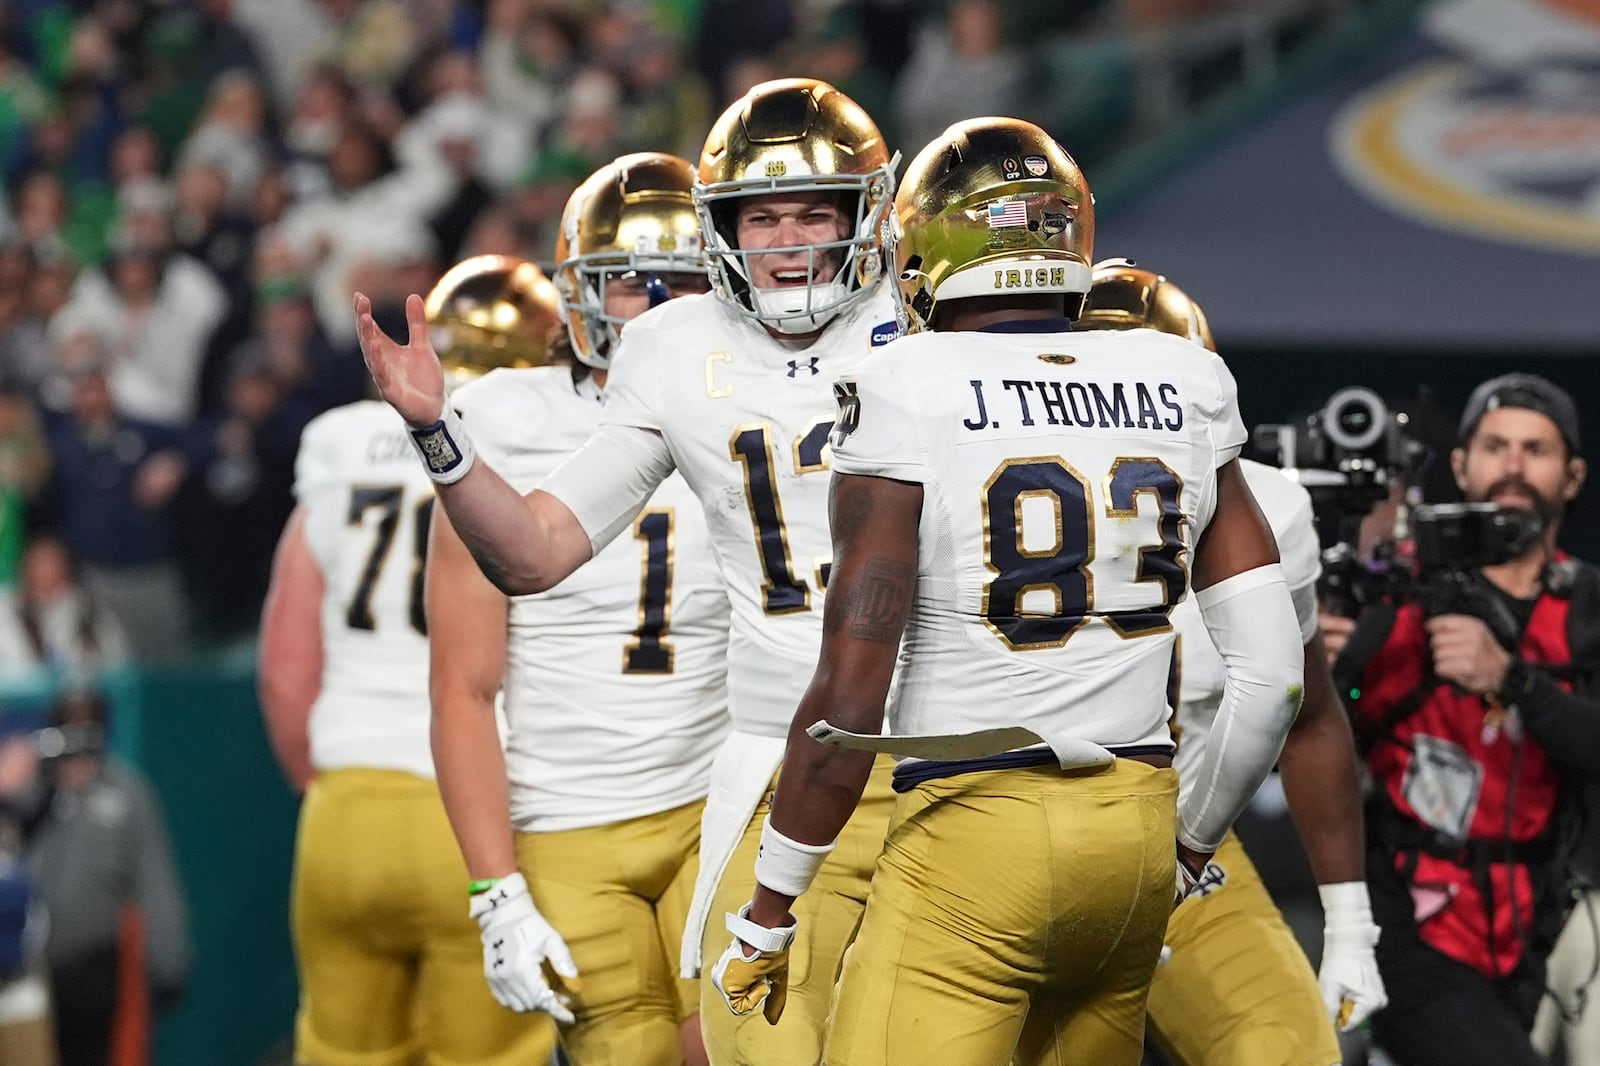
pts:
[619, 896]
[829, 915]
[391, 965]
[1237, 989]
[1016, 917]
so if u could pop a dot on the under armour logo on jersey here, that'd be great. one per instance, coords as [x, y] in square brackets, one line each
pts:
[810, 365]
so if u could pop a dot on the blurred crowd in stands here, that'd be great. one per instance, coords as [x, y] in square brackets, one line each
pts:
[192, 190]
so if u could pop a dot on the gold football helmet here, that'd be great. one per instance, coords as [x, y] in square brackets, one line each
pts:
[790, 136]
[632, 218]
[491, 311]
[1126, 297]
[992, 207]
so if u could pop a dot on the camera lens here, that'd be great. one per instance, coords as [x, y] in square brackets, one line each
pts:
[1354, 419]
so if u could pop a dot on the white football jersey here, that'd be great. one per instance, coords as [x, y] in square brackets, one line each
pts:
[746, 418]
[1287, 507]
[615, 690]
[367, 502]
[1066, 478]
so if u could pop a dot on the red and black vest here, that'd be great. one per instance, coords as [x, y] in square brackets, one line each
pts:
[1466, 802]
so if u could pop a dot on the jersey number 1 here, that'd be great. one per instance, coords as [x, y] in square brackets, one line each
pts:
[649, 652]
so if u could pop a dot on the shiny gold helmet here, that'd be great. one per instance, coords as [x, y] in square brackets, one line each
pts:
[491, 311]
[632, 221]
[796, 135]
[992, 207]
[1126, 297]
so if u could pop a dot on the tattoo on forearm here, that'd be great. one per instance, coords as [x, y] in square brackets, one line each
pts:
[874, 605]
[849, 509]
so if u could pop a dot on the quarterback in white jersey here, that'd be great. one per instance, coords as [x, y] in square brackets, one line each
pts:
[1236, 988]
[1015, 509]
[732, 390]
[390, 963]
[614, 683]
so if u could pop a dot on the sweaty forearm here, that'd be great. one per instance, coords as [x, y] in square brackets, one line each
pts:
[818, 790]
[505, 532]
[471, 770]
[1322, 782]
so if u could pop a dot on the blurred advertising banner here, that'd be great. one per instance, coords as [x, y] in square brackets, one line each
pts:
[1442, 195]
[1501, 138]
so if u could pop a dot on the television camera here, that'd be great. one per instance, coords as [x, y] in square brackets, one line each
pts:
[1354, 453]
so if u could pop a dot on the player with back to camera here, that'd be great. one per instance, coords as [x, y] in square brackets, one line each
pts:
[390, 963]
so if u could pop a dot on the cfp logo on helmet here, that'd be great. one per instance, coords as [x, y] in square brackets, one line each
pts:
[849, 416]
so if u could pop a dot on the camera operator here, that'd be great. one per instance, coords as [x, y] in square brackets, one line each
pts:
[1477, 746]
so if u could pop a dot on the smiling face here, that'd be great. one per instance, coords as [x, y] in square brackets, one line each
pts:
[1518, 459]
[793, 221]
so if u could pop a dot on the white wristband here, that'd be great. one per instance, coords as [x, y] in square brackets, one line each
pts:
[446, 450]
[787, 866]
[1345, 903]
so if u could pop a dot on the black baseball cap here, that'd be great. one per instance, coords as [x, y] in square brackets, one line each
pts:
[1530, 392]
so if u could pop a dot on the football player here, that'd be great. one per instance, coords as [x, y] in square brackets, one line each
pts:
[390, 963]
[1023, 505]
[733, 389]
[1208, 1006]
[615, 682]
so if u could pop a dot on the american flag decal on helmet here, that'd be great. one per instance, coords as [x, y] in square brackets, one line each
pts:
[1007, 215]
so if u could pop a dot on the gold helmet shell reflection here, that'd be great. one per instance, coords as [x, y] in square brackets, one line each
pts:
[991, 207]
[491, 311]
[1127, 297]
[796, 135]
[635, 214]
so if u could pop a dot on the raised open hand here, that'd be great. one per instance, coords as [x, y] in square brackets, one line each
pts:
[408, 375]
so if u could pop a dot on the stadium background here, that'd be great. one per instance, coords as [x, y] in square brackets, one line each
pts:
[1382, 193]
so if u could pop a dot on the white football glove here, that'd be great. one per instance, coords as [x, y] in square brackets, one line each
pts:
[518, 945]
[760, 980]
[1352, 988]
